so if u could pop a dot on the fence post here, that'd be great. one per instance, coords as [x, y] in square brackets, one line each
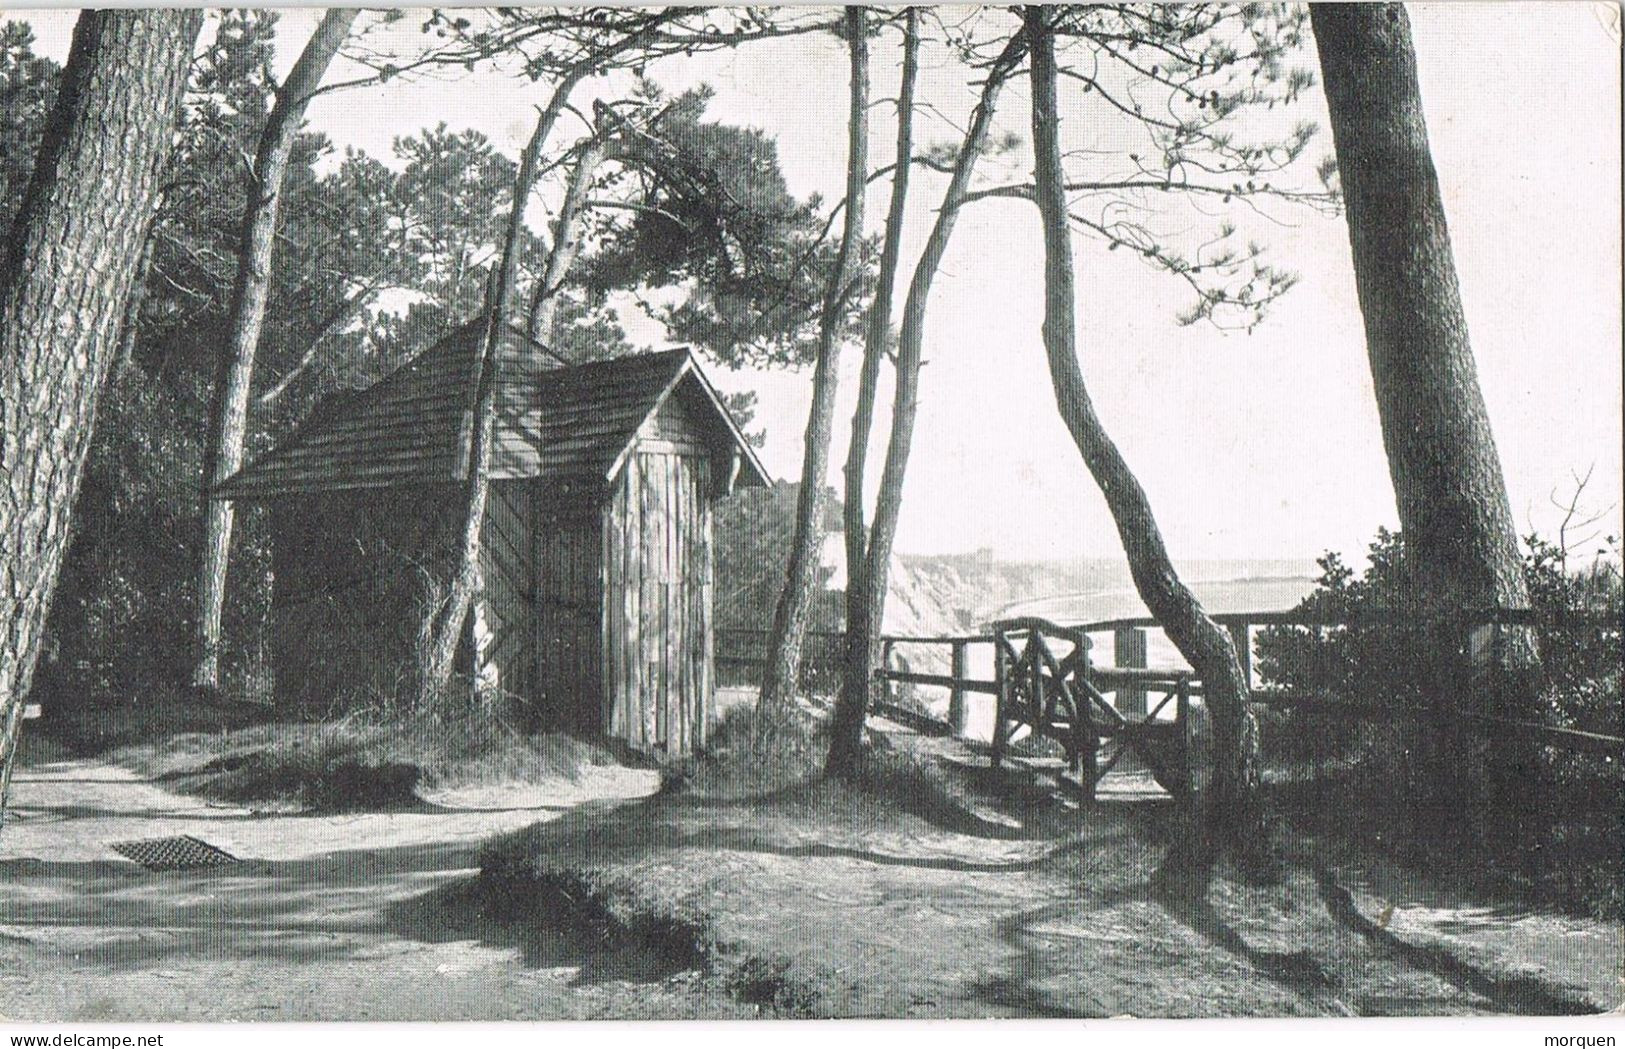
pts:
[1128, 650]
[956, 697]
[1001, 679]
[1242, 637]
[1187, 733]
[888, 692]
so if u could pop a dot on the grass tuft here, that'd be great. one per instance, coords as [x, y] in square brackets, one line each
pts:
[372, 758]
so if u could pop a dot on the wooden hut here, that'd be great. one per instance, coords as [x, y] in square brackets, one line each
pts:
[595, 607]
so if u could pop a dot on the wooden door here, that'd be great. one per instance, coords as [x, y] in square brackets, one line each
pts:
[657, 603]
[568, 549]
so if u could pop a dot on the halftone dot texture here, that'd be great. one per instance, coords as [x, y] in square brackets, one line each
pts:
[173, 854]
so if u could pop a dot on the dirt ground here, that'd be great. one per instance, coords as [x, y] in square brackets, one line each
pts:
[1029, 909]
[342, 917]
[822, 903]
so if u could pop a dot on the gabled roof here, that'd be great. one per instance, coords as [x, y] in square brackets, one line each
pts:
[411, 427]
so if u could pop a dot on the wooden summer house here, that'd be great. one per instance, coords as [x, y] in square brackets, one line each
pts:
[595, 614]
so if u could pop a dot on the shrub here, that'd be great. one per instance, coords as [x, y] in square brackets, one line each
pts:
[740, 760]
[1393, 663]
[121, 622]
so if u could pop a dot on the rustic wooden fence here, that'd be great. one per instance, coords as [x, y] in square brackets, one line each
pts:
[1475, 631]
[741, 653]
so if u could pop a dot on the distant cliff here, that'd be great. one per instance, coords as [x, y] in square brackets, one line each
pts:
[940, 594]
[960, 593]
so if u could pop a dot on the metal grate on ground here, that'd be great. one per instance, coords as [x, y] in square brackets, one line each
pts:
[173, 854]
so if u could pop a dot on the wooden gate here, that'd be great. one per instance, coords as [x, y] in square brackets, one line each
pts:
[1059, 697]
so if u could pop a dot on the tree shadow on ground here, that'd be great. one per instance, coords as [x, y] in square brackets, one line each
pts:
[316, 908]
[813, 794]
[743, 840]
[1066, 957]
[627, 833]
[465, 910]
[1300, 971]
[1510, 992]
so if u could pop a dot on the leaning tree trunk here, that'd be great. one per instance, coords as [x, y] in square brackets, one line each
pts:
[1461, 548]
[783, 672]
[846, 727]
[863, 618]
[442, 626]
[329, 326]
[229, 414]
[443, 621]
[544, 304]
[1234, 813]
[66, 276]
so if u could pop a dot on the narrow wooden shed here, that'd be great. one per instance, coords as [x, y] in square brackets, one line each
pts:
[595, 608]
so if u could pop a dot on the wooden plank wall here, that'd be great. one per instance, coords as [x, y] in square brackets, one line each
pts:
[568, 545]
[657, 600]
[506, 611]
[674, 430]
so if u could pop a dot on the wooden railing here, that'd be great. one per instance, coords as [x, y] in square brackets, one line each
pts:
[1476, 630]
[956, 681]
[1129, 678]
[746, 650]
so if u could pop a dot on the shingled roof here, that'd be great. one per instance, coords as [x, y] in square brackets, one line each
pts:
[411, 427]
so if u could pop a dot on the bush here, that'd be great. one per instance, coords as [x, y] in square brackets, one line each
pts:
[374, 758]
[739, 761]
[1389, 663]
[1401, 647]
[1398, 759]
[121, 622]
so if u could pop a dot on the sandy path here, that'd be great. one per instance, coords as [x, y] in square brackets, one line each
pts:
[1036, 909]
[350, 916]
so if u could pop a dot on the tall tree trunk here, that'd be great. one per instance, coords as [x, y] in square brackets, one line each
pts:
[443, 622]
[442, 627]
[783, 673]
[1461, 548]
[1447, 475]
[234, 379]
[544, 304]
[1452, 497]
[846, 729]
[130, 325]
[66, 276]
[863, 618]
[1234, 813]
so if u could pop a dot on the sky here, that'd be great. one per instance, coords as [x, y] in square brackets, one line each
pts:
[1260, 445]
